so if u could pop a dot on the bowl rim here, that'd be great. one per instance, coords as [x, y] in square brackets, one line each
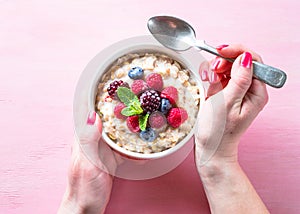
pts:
[145, 44]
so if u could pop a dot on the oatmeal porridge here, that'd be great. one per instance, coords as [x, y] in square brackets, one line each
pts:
[147, 102]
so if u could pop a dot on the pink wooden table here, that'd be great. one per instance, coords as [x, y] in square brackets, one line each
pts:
[45, 45]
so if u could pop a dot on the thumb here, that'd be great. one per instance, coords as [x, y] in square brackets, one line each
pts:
[88, 136]
[90, 132]
[241, 78]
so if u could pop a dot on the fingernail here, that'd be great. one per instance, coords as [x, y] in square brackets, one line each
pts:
[91, 118]
[213, 77]
[216, 64]
[220, 47]
[204, 75]
[246, 60]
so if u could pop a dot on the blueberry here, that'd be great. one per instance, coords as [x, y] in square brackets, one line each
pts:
[148, 135]
[165, 106]
[136, 73]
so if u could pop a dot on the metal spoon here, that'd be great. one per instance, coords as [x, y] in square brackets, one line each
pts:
[178, 35]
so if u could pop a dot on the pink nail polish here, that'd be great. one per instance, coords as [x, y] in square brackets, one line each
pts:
[220, 47]
[216, 64]
[204, 75]
[214, 77]
[91, 118]
[246, 60]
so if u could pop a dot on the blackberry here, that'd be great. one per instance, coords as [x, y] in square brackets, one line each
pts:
[113, 87]
[150, 101]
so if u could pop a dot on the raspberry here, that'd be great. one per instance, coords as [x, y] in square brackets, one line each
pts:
[170, 93]
[138, 86]
[176, 117]
[150, 101]
[157, 120]
[133, 123]
[113, 87]
[117, 111]
[155, 81]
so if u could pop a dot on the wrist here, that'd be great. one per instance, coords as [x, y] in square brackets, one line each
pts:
[73, 205]
[68, 205]
[215, 152]
[216, 169]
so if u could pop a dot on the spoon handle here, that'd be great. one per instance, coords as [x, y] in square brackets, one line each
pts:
[265, 73]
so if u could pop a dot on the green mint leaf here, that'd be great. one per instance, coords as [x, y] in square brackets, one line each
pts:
[128, 111]
[143, 121]
[130, 100]
[126, 95]
[135, 104]
[136, 99]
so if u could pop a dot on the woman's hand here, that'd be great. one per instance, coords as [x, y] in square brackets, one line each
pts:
[228, 112]
[90, 182]
[225, 116]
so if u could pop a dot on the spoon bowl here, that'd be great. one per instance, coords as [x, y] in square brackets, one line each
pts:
[175, 35]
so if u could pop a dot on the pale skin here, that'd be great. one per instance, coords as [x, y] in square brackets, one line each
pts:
[89, 184]
[226, 185]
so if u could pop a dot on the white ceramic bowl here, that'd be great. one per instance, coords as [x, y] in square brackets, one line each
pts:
[134, 166]
[84, 99]
[145, 44]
